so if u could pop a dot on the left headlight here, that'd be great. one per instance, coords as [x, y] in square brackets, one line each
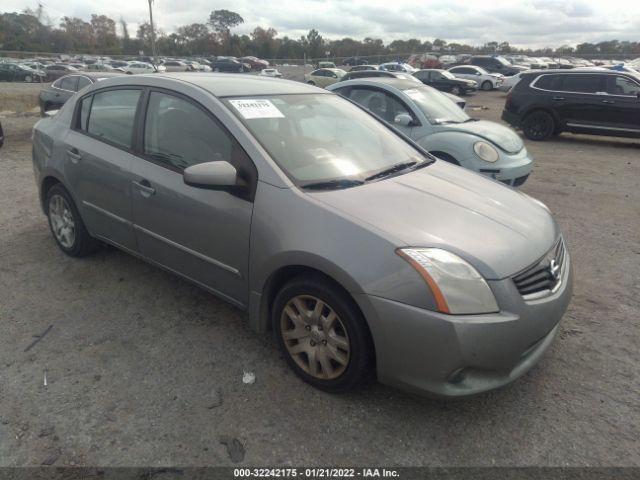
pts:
[456, 286]
[486, 151]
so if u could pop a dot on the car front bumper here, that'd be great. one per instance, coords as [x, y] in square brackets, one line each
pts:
[510, 169]
[458, 355]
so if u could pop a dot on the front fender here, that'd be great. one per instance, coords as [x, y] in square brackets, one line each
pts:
[455, 144]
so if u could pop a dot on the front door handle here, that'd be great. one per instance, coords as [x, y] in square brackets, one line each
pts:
[608, 101]
[74, 155]
[558, 98]
[145, 188]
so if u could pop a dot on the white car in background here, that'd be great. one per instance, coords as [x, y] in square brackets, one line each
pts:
[485, 80]
[270, 72]
[176, 66]
[509, 82]
[142, 67]
[397, 67]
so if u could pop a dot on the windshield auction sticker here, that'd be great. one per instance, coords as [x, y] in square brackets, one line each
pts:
[258, 108]
[414, 94]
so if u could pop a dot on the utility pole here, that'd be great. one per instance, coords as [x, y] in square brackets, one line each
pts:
[153, 36]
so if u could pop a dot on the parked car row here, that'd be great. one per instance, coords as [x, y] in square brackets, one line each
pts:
[327, 220]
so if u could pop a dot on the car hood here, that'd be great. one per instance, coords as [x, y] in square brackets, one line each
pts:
[496, 228]
[502, 136]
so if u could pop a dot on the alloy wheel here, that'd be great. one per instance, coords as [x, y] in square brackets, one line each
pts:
[62, 222]
[315, 337]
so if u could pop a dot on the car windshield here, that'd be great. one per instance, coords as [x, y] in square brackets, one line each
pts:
[323, 140]
[447, 74]
[438, 108]
[502, 60]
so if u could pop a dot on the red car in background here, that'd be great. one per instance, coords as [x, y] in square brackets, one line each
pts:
[255, 62]
[424, 61]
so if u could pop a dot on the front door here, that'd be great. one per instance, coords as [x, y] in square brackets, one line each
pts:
[199, 233]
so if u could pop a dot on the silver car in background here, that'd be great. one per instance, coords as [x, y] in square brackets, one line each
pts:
[433, 121]
[361, 252]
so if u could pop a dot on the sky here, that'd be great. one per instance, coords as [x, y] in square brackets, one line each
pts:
[522, 23]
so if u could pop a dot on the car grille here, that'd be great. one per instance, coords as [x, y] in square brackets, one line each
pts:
[545, 276]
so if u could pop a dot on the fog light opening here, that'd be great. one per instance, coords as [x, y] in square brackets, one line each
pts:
[458, 376]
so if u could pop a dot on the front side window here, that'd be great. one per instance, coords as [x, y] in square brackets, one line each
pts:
[82, 82]
[112, 116]
[381, 104]
[179, 134]
[69, 83]
[622, 86]
[321, 138]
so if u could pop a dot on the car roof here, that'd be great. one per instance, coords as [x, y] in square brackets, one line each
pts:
[218, 84]
[575, 71]
[398, 83]
[94, 75]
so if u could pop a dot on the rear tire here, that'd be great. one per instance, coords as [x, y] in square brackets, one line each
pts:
[322, 334]
[486, 86]
[66, 225]
[538, 125]
[28, 78]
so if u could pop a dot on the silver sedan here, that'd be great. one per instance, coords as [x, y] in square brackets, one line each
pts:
[362, 253]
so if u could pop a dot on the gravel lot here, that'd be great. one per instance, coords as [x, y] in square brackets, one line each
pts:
[137, 358]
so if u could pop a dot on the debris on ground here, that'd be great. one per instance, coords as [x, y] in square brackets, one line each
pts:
[216, 399]
[248, 377]
[476, 108]
[235, 449]
[45, 377]
[38, 338]
[50, 460]
[45, 432]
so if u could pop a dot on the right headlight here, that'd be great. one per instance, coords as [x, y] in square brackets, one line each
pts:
[486, 151]
[456, 286]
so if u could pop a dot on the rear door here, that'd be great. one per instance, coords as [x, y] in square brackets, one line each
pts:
[202, 234]
[98, 150]
[580, 101]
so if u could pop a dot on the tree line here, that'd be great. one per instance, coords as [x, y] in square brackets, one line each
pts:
[33, 31]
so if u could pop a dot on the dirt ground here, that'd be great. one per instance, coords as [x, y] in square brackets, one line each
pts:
[144, 369]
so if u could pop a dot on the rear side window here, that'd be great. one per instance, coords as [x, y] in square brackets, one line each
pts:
[549, 82]
[583, 83]
[112, 115]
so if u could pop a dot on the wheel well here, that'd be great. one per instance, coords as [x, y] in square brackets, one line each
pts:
[445, 156]
[277, 280]
[47, 183]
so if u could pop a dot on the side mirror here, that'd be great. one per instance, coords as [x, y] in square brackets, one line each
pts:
[212, 175]
[403, 119]
[478, 74]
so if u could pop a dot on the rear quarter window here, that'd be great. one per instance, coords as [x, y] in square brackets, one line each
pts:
[548, 82]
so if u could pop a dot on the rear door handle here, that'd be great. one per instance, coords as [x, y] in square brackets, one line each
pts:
[145, 188]
[608, 101]
[558, 98]
[74, 155]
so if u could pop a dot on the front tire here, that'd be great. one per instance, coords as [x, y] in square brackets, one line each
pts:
[322, 334]
[65, 223]
[311, 82]
[486, 86]
[455, 91]
[28, 79]
[538, 125]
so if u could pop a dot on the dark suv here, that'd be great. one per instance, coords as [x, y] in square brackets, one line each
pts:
[496, 65]
[596, 102]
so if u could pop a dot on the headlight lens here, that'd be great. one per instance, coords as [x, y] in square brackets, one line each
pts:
[456, 286]
[486, 151]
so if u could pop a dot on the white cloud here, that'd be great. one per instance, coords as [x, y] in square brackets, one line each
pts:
[533, 23]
